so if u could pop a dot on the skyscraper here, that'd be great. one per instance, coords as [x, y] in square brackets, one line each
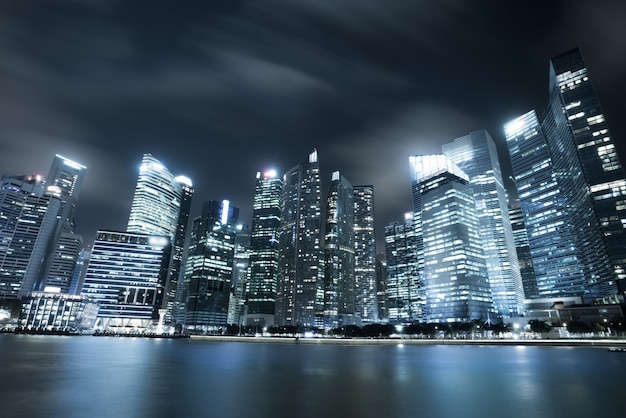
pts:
[339, 278]
[207, 282]
[126, 275]
[551, 236]
[299, 294]
[577, 111]
[160, 206]
[264, 248]
[365, 254]
[455, 276]
[64, 180]
[241, 268]
[403, 285]
[28, 223]
[527, 272]
[476, 155]
[583, 199]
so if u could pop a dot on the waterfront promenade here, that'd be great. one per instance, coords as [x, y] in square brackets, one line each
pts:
[562, 342]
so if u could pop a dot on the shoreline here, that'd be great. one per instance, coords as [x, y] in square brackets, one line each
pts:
[564, 342]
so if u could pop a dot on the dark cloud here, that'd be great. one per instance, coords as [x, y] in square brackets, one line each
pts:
[218, 90]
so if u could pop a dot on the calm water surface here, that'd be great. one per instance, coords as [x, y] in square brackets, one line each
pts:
[47, 376]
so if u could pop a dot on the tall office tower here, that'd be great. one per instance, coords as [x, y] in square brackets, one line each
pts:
[68, 177]
[241, 267]
[476, 155]
[455, 275]
[578, 117]
[381, 287]
[264, 249]
[549, 217]
[365, 254]
[65, 179]
[527, 272]
[126, 275]
[28, 223]
[298, 297]
[404, 286]
[339, 278]
[207, 282]
[161, 206]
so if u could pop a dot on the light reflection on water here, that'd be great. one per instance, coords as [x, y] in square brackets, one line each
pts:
[119, 377]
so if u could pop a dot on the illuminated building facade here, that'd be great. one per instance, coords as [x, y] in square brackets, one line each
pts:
[126, 276]
[339, 278]
[455, 276]
[403, 286]
[577, 114]
[208, 275]
[551, 235]
[28, 224]
[57, 312]
[365, 254]
[161, 206]
[264, 249]
[572, 187]
[299, 293]
[476, 155]
[241, 270]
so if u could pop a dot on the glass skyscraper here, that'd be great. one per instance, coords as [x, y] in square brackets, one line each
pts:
[241, 269]
[160, 206]
[365, 254]
[28, 223]
[207, 282]
[571, 187]
[264, 248]
[339, 277]
[126, 275]
[551, 235]
[476, 155]
[299, 295]
[527, 272]
[577, 111]
[403, 286]
[454, 273]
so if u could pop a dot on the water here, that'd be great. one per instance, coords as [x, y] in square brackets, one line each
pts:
[47, 376]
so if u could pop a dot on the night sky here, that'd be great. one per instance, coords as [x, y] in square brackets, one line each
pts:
[218, 90]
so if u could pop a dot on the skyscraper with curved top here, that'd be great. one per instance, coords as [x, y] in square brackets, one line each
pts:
[161, 206]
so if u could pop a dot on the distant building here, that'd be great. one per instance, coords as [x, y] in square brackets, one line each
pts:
[365, 254]
[264, 249]
[381, 287]
[476, 155]
[399, 275]
[339, 268]
[208, 279]
[126, 276]
[527, 272]
[455, 275]
[241, 270]
[299, 295]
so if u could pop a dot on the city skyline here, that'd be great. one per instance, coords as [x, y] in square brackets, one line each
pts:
[209, 88]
